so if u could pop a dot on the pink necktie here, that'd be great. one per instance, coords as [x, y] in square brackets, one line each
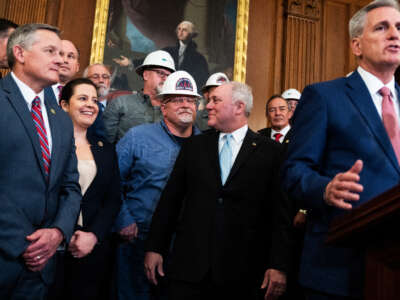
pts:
[277, 136]
[390, 120]
[37, 117]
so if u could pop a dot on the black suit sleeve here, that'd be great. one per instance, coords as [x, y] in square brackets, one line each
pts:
[281, 254]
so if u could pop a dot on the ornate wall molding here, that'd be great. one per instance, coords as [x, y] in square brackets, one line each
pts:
[304, 8]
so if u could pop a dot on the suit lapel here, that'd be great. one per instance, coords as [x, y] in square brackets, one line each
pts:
[250, 143]
[96, 146]
[18, 102]
[55, 128]
[359, 95]
[213, 154]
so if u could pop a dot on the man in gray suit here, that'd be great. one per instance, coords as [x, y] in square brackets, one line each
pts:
[39, 190]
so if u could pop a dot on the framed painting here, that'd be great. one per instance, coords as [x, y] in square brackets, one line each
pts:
[125, 31]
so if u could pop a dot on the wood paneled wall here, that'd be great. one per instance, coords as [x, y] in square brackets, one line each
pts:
[291, 43]
[74, 17]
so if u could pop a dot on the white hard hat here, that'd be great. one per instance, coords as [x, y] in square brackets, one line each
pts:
[215, 79]
[179, 83]
[291, 94]
[159, 58]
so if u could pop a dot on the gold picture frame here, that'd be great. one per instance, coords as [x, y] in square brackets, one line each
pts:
[239, 73]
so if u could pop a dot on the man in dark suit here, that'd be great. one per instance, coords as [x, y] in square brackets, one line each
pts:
[224, 204]
[345, 133]
[185, 54]
[38, 176]
[278, 114]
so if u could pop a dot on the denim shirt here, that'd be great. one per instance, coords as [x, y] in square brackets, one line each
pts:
[146, 156]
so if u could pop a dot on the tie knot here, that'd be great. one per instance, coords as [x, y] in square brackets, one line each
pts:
[36, 101]
[277, 136]
[228, 137]
[385, 91]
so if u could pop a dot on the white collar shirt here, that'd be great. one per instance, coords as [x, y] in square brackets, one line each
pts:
[28, 94]
[374, 84]
[284, 131]
[237, 141]
[56, 91]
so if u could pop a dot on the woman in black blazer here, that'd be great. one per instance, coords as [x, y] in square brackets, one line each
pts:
[88, 261]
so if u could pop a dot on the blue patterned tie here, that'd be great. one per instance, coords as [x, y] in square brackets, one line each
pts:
[225, 157]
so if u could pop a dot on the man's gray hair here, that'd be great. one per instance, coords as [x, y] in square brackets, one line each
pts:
[193, 31]
[243, 93]
[25, 37]
[86, 71]
[357, 22]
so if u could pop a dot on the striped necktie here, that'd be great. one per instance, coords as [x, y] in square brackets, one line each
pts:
[37, 117]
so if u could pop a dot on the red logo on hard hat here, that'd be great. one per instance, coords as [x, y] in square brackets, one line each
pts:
[221, 79]
[184, 84]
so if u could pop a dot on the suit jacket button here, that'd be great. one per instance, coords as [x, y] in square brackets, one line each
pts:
[220, 201]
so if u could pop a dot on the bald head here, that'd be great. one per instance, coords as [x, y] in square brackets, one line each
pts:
[70, 65]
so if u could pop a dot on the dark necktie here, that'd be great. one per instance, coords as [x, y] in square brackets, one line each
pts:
[37, 117]
[277, 136]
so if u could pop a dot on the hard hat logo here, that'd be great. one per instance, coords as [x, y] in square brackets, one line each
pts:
[221, 79]
[184, 84]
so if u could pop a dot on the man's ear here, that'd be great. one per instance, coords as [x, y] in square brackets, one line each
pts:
[145, 75]
[19, 53]
[240, 107]
[356, 46]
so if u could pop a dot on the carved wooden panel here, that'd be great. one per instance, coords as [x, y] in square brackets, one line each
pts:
[25, 11]
[302, 49]
[302, 43]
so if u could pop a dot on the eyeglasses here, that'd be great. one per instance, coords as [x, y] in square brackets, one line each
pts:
[97, 76]
[189, 100]
[160, 73]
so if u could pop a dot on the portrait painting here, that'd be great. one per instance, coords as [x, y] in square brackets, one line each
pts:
[131, 29]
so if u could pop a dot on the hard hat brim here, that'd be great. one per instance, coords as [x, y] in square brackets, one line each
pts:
[139, 70]
[181, 93]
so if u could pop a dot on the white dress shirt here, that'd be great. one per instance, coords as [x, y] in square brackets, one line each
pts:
[374, 84]
[29, 95]
[56, 91]
[283, 131]
[237, 141]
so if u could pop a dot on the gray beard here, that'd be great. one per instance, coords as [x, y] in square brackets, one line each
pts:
[103, 91]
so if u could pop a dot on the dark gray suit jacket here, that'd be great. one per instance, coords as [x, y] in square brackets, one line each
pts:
[27, 201]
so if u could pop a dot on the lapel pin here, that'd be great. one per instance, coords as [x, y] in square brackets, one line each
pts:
[287, 142]
[100, 143]
[52, 111]
[254, 144]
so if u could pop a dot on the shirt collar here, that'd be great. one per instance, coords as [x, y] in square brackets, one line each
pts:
[27, 92]
[238, 135]
[374, 84]
[182, 45]
[283, 131]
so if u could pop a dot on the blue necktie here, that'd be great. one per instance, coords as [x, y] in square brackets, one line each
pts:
[225, 157]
